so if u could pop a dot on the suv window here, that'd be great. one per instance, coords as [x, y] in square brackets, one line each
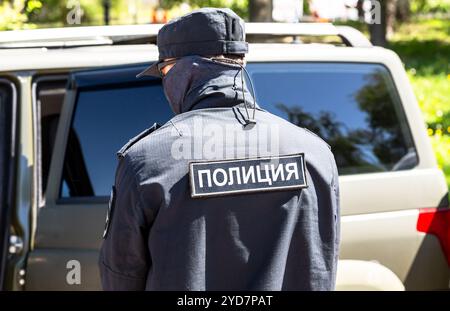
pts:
[104, 120]
[354, 107]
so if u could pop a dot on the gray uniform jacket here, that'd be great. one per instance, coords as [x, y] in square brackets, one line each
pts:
[160, 238]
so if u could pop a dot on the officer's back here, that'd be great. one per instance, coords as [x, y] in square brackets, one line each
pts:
[221, 197]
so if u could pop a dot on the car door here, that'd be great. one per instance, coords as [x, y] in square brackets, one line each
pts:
[102, 110]
[7, 159]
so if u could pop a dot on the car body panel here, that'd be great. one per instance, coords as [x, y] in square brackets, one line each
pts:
[43, 263]
[395, 243]
[8, 160]
[366, 276]
[24, 211]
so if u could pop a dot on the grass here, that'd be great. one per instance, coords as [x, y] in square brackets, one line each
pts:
[424, 47]
[441, 147]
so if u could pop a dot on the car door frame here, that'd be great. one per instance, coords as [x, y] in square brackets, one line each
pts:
[64, 242]
[8, 154]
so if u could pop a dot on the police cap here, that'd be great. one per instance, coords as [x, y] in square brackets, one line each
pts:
[206, 31]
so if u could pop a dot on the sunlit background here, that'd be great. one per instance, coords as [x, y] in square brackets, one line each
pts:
[418, 30]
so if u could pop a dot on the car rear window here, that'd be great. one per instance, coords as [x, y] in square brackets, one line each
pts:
[354, 107]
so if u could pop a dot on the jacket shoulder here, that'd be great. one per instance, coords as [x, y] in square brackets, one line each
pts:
[316, 136]
[123, 151]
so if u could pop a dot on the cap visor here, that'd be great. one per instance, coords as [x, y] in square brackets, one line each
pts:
[149, 71]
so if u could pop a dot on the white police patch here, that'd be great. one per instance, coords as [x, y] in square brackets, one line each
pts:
[112, 200]
[228, 177]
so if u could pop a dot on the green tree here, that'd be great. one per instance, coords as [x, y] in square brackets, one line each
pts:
[238, 6]
[14, 14]
[260, 10]
[393, 12]
[54, 12]
[430, 6]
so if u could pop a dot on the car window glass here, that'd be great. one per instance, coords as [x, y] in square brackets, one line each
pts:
[104, 120]
[354, 107]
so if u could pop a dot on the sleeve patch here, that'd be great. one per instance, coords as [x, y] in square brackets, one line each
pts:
[131, 142]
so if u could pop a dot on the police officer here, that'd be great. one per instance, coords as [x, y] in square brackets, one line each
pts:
[224, 196]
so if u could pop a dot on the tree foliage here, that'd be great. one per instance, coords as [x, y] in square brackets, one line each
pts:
[54, 12]
[238, 6]
[14, 14]
[430, 6]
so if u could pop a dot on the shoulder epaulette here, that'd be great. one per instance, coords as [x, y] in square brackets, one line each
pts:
[131, 142]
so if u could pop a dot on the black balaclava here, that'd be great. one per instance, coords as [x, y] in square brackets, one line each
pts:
[196, 82]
